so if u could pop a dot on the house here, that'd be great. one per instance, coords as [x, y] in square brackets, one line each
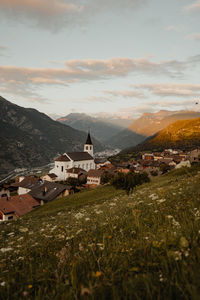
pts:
[94, 177]
[68, 160]
[25, 184]
[4, 192]
[75, 172]
[101, 162]
[194, 156]
[45, 191]
[50, 177]
[157, 156]
[185, 163]
[16, 206]
[148, 156]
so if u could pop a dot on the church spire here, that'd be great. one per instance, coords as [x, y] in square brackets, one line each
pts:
[88, 147]
[88, 141]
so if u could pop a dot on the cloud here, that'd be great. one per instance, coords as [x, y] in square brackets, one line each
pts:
[55, 14]
[49, 14]
[171, 89]
[194, 36]
[2, 50]
[126, 94]
[193, 7]
[176, 28]
[16, 79]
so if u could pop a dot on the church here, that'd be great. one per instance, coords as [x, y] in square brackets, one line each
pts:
[68, 160]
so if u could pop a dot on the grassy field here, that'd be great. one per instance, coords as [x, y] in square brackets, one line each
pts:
[103, 244]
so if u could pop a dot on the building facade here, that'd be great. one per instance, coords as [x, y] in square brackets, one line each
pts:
[68, 160]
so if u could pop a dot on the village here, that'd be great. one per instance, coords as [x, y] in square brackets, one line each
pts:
[78, 171]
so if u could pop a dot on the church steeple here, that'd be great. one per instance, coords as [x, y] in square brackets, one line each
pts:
[88, 147]
[88, 141]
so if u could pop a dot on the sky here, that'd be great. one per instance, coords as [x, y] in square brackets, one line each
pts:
[100, 57]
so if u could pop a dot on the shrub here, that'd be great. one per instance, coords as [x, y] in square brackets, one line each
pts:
[129, 181]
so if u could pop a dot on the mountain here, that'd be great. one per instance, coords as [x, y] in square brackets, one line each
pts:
[101, 129]
[30, 138]
[147, 125]
[182, 134]
[150, 123]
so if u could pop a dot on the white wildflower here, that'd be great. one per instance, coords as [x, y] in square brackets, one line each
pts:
[22, 229]
[2, 283]
[11, 233]
[175, 223]
[161, 201]
[3, 250]
[153, 196]
[87, 219]
[79, 231]
[177, 255]
[78, 216]
[170, 217]
[112, 204]
[98, 212]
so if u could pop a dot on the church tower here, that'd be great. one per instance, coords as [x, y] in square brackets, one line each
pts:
[88, 147]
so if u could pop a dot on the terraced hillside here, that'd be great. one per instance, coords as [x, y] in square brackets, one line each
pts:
[103, 244]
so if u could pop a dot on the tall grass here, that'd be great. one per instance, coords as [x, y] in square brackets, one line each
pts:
[103, 244]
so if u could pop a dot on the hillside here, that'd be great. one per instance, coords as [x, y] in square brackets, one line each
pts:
[30, 138]
[103, 244]
[100, 129]
[149, 124]
[184, 134]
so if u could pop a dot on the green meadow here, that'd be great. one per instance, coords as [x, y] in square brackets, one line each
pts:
[105, 244]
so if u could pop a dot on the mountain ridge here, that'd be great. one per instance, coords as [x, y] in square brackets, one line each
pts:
[30, 138]
[102, 130]
[147, 125]
[182, 134]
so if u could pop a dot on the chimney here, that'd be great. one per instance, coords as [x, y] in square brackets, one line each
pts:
[45, 190]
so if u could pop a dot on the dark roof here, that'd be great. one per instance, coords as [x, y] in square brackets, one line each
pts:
[100, 160]
[95, 173]
[62, 158]
[78, 156]
[88, 141]
[76, 170]
[52, 175]
[20, 204]
[28, 182]
[48, 191]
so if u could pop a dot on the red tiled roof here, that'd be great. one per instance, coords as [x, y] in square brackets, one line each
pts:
[20, 204]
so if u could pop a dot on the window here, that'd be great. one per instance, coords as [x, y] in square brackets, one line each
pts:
[86, 147]
[62, 169]
[10, 217]
[90, 147]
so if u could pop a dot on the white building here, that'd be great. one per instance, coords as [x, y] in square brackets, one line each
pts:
[83, 160]
[94, 177]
